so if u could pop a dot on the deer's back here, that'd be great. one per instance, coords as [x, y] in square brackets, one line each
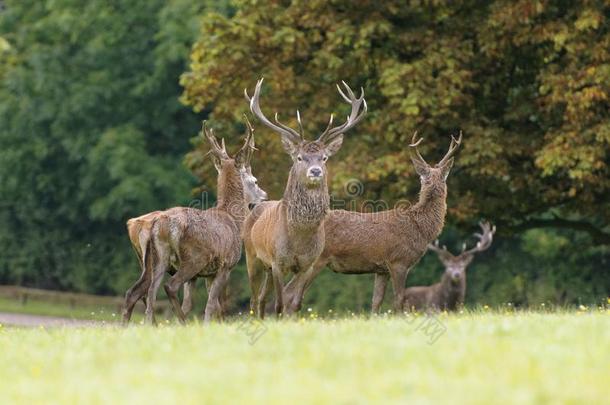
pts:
[366, 242]
[419, 297]
[198, 237]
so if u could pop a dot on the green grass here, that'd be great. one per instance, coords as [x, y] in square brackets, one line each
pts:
[36, 307]
[78, 311]
[482, 358]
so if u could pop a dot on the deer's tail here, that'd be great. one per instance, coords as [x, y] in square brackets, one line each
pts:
[147, 257]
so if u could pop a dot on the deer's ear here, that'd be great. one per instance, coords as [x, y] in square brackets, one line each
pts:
[446, 168]
[240, 160]
[289, 146]
[334, 145]
[421, 168]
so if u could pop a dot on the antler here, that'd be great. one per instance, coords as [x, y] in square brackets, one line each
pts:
[415, 154]
[455, 144]
[443, 253]
[485, 239]
[251, 146]
[218, 150]
[244, 154]
[279, 127]
[355, 116]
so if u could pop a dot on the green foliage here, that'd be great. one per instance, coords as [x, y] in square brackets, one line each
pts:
[92, 133]
[527, 83]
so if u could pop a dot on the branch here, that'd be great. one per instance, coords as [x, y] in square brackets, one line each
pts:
[599, 237]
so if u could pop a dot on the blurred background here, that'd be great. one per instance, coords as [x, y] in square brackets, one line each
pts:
[101, 102]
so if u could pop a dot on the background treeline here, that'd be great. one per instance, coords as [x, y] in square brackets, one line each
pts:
[99, 99]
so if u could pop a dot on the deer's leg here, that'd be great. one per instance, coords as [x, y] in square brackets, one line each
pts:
[381, 281]
[223, 295]
[278, 285]
[172, 287]
[187, 300]
[300, 283]
[256, 275]
[398, 273]
[208, 285]
[213, 307]
[157, 263]
[224, 300]
[151, 297]
[136, 292]
[263, 294]
[293, 293]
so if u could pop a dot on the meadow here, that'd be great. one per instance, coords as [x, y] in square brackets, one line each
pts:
[478, 356]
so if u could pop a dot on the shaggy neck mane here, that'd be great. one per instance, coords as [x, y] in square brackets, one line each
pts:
[231, 192]
[429, 212]
[305, 206]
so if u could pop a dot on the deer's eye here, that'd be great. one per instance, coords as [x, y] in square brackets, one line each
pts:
[324, 158]
[299, 158]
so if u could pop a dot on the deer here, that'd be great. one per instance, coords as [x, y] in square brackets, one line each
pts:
[190, 242]
[385, 243]
[139, 229]
[449, 293]
[287, 236]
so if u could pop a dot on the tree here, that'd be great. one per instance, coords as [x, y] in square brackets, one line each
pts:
[527, 82]
[92, 133]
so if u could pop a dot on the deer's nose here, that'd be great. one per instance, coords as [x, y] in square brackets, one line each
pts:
[315, 171]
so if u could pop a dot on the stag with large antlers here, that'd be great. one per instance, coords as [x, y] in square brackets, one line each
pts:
[287, 236]
[190, 242]
[449, 293]
[386, 243]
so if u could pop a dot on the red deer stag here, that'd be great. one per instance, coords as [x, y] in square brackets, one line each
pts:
[386, 243]
[449, 293]
[287, 236]
[190, 242]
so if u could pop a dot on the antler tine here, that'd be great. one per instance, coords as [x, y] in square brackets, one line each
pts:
[248, 146]
[485, 238]
[282, 129]
[351, 94]
[216, 148]
[300, 124]
[250, 150]
[453, 147]
[286, 127]
[414, 143]
[353, 118]
[330, 122]
[443, 253]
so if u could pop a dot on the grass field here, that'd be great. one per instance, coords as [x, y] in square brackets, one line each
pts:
[35, 307]
[70, 305]
[478, 357]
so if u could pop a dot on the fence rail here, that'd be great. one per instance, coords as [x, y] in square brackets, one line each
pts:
[24, 294]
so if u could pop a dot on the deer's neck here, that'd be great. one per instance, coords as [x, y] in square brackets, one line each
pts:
[429, 212]
[230, 194]
[306, 207]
